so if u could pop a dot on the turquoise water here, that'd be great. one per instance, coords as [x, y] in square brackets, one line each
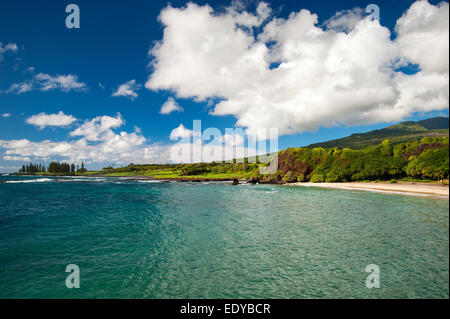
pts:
[212, 240]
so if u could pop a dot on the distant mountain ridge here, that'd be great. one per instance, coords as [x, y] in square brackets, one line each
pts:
[398, 133]
[435, 123]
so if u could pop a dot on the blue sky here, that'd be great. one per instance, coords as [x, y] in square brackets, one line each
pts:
[112, 47]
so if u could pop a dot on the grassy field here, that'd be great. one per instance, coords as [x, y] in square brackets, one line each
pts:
[209, 171]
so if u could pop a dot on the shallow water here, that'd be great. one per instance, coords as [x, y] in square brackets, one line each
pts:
[134, 239]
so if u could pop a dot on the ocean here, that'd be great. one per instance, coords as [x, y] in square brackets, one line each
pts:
[149, 239]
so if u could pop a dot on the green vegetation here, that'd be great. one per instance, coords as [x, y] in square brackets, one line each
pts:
[225, 171]
[54, 168]
[32, 169]
[426, 159]
[432, 163]
[399, 133]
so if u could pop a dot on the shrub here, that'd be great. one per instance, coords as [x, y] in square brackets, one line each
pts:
[317, 178]
[289, 178]
[432, 163]
[195, 169]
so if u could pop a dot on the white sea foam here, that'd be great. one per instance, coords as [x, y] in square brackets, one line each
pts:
[64, 179]
[39, 180]
[79, 177]
[149, 181]
[86, 178]
[70, 180]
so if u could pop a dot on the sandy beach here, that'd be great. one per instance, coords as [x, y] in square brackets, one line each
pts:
[406, 188]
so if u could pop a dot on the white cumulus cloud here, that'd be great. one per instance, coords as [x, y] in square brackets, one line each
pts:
[170, 106]
[94, 141]
[43, 120]
[128, 89]
[19, 88]
[298, 76]
[64, 83]
[423, 36]
[93, 130]
[16, 158]
[180, 132]
[98, 140]
[45, 82]
[345, 20]
[10, 47]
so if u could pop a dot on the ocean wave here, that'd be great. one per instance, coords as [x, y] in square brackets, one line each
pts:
[149, 181]
[78, 179]
[68, 179]
[39, 180]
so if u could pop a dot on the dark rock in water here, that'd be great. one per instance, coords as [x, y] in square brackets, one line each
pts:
[253, 180]
[235, 181]
[2, 181]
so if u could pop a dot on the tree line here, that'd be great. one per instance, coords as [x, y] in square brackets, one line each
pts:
[427, 158]
[53, 168]
[32, 169]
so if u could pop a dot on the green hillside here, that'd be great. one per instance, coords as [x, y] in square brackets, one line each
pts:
[435, 123]
[399, 133]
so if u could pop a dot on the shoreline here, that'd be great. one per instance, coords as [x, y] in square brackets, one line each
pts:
[141, 177]
[401, 188]
[406, 188]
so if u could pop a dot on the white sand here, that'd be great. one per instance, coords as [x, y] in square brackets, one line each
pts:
[406, 188]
